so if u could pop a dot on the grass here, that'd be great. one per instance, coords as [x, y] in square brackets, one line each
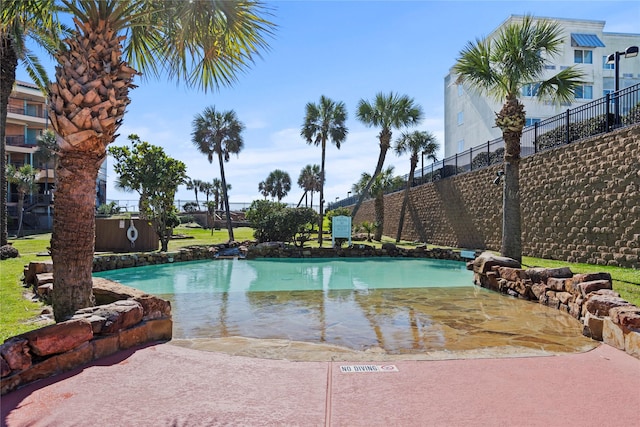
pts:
[20, 314]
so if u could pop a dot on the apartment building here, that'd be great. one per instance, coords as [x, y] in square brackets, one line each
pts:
[26, 121]
[470, 118]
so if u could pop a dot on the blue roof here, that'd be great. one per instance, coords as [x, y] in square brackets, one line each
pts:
[586, 40]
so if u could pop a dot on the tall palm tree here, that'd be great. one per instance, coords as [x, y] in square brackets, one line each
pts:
[203, 44]
[220, 133]
[381, 183]
[309, 180]
[499, 68]
[47, 153]
[279, 182]
[324, 122]
[387, 112]
[22, 20]
[417, 142]
[24, 178]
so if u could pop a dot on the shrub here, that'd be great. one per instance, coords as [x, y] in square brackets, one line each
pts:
[110, 208]
[275, 222]
[190, 207]
[8, 251]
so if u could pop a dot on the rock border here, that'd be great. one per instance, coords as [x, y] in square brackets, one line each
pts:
[589, 297]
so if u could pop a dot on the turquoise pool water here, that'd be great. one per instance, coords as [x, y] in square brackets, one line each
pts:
[274, 275]
[399, 306]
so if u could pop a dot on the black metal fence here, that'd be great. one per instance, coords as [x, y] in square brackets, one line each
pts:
[614, 111]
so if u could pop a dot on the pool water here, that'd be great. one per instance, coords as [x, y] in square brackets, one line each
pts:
[388, 305]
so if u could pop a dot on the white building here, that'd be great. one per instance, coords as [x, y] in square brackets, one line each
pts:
[470, 118]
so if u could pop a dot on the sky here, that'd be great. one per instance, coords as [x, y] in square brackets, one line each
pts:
[344, 50]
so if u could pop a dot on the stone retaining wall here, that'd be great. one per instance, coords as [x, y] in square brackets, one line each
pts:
[580, 203]
[587, 297]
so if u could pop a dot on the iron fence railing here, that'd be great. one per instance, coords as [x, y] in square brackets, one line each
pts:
[614, 111]
[32, 112]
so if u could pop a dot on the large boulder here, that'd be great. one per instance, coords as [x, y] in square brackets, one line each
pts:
[15, 352]
[111, 318]
[487, 260]
[58, 338]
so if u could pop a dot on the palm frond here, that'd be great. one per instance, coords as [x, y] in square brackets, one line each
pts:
[561, 87]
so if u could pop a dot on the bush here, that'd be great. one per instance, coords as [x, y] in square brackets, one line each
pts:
[275, 222]
[190, 207]
[8, 251]
[110, 208]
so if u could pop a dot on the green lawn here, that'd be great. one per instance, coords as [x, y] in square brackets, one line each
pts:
[19, 314]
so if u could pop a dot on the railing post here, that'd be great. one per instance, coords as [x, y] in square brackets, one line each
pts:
[471, 159]
[566, 139]
[607, 111]
[535, 137]
[489, 153]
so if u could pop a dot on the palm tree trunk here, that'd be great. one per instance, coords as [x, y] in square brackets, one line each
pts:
[379, 208]
[73, 236]
[511, 216]
[225, 196]
[511, 120]
[9, 61]
[321, 204]
[385, 139]
[20, 211]
[406, 196]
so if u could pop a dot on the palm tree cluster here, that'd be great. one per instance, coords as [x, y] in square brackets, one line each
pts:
[202, 44]
[277, 185]
[205, 45]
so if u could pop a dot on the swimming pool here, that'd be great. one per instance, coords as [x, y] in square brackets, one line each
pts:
[395, 306]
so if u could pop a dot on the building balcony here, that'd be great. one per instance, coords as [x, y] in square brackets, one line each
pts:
[35, 117]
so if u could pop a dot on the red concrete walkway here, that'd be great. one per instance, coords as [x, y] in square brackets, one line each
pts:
[165, 385]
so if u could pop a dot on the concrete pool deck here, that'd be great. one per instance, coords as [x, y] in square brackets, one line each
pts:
[167, 385]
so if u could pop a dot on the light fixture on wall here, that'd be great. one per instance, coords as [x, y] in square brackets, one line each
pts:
[498, 177]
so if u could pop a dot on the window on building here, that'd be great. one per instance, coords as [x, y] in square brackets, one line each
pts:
[530, 89]
[549, 67]
[460, 90]
[607, 92]
[584, 92]
[461, 146]
[606, 66]
[583, 56]
[460, 118]
[531, 121]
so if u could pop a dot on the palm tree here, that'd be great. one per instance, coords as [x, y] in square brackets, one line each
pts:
[24, 178]
[264, 189]
[381, 183]
[499, 68]
[324, 122]
[219, 132]
[195, 185]
[207, 189]
[309, 180]
[203, 44]
[22, 20]
[417, 142]
[387, 112]
[279, 183]
[47, 152]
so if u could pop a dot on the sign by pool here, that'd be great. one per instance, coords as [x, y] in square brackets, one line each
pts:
[340, 228]
[368, 368]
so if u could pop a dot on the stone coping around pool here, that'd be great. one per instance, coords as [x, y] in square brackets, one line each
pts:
[251, 250]
[588, 297]
[123, 317]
